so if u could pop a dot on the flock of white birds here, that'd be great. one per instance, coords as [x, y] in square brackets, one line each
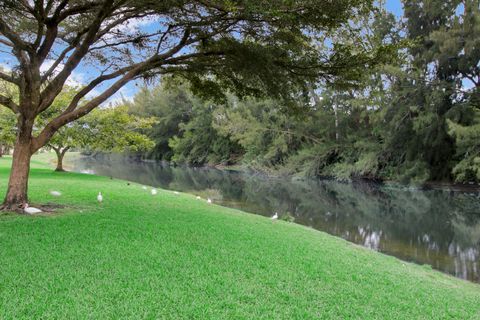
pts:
[32, 210]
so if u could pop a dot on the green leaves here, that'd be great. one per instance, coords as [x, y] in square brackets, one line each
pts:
[106, 129]
[467, 140]
[8, 129]
[197, 142]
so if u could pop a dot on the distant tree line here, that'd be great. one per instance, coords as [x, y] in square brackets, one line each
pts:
[413, 119]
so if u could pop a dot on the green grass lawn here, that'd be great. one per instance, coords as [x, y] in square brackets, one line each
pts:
[171, 256]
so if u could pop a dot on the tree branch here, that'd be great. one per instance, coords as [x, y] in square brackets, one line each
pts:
[178, 47]
[162, 38]
[52, 31]
[71, 45]
[65, 118]
[65, 149]
[56, 85]
[13, 37]
[8, 78]
[60, 15]
[6, 43]
[9, 103]
[92, 85]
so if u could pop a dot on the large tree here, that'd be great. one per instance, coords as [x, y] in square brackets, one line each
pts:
[249, 46]
[103, 130]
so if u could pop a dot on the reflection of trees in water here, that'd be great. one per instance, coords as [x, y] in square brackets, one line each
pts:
[163, 175]
[434, 227]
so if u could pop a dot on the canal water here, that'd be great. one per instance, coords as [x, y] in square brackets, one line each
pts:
[440, 228]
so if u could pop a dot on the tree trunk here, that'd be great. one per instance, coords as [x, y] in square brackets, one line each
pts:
[59, 162]
[335, 111]
[60, 155]
[18, 183]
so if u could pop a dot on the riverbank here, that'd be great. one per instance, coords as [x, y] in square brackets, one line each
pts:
[428, 185]
[173, 256]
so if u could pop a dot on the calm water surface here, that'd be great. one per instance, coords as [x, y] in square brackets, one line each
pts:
[437, 227]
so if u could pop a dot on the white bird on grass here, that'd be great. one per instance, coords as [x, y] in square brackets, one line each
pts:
[30, 210]
[56, 193]
[144, 188]
[176, 192]
[100, 197]
[209, 200]
[275, 216]
[198, 198]
[154, 192]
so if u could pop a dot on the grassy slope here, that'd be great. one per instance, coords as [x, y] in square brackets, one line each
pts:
[172, 256]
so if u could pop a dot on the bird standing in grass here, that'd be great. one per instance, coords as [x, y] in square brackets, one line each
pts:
[100, 197]
[209, 200]
[275, 216]
[30, 210]
[56, 193]
[154, 192]
[144, 188]
[198, 198]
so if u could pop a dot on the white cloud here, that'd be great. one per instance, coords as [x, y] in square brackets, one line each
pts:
[76, 79]
[47, 64]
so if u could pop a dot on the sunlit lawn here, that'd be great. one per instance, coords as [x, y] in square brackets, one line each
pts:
[172, 256]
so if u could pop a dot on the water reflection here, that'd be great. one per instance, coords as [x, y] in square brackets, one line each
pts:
[439, 228]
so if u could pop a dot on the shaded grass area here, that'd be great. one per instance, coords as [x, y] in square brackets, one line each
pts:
[172, 256]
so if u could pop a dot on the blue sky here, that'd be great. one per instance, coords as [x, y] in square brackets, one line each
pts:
[394, 6]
